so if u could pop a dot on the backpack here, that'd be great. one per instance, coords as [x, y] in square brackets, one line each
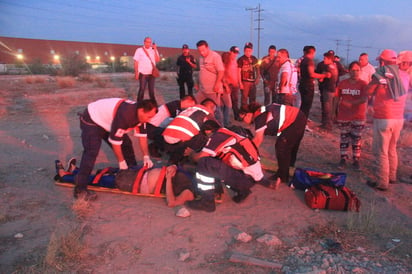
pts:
[304, 178]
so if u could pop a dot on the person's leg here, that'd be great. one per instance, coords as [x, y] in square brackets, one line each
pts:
[345, 136]
[299, 128]
[307, 94]
[397, 125]
[234, 96]
[227, 105]
[151, 83]
[142, 86]
[252, 93]
[244, 95]
[382, 134]
[266, 93]
[190, 84]
[128, 152]
[181, 83]
[356, 137]
[92, 136]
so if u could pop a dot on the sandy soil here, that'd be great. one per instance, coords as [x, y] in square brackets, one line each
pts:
[43, 230]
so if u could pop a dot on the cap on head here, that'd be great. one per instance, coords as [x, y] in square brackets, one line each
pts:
[387, 55]
[272, 47]
[405, 56]
[248, 45]
[234, 49]
[331, 52]
[185, 46]
[328, 55]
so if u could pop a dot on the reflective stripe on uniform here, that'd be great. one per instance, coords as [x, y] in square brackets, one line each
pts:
[204, 182]
[193, 123]
[282, 117]
[182, 129]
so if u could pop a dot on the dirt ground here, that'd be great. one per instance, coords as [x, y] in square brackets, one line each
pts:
[42, 229]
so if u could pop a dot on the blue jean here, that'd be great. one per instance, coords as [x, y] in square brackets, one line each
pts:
[146, 80]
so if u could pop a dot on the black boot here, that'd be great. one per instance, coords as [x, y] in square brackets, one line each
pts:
[205, 203]
[241, 196]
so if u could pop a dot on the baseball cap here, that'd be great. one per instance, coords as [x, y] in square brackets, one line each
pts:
[387, 55]
[328, 54]
[332, 52]
[249, 45]
[185, 46]
[405, 56]
[234, 49]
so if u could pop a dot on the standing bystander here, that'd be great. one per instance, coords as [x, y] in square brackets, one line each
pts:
[185, 65]
[269, 72]
[145, 59]
[248, 75]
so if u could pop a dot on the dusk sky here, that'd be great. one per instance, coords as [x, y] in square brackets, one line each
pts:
[366, 25]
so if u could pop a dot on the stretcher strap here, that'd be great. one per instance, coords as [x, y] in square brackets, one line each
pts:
[138, 179]
[160, 181]
[100, 175]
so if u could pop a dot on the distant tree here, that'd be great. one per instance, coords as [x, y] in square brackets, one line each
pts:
[73, 65]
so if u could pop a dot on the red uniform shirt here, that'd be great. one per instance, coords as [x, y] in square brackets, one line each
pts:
[350, 91]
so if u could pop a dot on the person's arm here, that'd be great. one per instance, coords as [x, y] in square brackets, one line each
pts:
[145, 150]
[171, 199]
[284, 77]
[136, 70]
[335, 104]
[313, 74]
[195, 156]
[117, 150]
[258, 139]
[239, 71]
[192, 64]
[372, 86]
[156, 53]
[218, 83]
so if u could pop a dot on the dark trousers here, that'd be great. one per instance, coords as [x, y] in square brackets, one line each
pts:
[284, 99]
[234, 96]
[326, 98]
[287, 146]
[92, 137]
[269, 91]
[181, 81]
[155, 134]
[249, 91]
[306, 95]
[236, 179]
[146, 80]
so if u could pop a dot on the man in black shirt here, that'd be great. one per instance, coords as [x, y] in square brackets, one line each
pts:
[307, 76]
[185, 65]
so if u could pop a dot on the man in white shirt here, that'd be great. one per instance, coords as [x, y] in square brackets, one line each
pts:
[145, 59]
[284, 94]
[366, 69]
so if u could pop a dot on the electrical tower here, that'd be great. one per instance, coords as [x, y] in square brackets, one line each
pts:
[348, 45]
[259, 10]
[251, 22]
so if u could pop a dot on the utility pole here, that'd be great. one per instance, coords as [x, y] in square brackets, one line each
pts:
[259, 10]
[337, 45]
[251, 22]
[348, 45]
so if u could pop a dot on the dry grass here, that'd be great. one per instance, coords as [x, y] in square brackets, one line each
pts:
[87, 77]
[406, 138]
[66, 246]
[35, 79]
[81, 208]
[101, 82]
[66, 82]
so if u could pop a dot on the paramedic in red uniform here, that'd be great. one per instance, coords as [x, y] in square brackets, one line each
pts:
[183, 131]
[287, 123]
[229, 157]
[109, 120]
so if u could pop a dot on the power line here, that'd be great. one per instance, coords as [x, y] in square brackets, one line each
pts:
[251, 21]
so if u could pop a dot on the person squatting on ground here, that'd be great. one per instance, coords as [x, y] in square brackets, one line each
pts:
[287, 123]
[211, 72]
[110, 120]
[327, 88]
[269, 69]
[307, 77]
[183, 131]
[231, 78]
[163, 117]
[248, 69]
[389, 88]
[284, 93]
[229, 158]
[145, 59]
[185, 64]
[349, 106]
[177, 183]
